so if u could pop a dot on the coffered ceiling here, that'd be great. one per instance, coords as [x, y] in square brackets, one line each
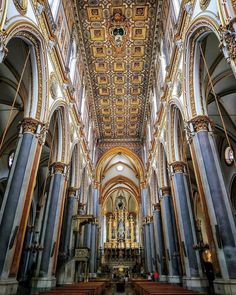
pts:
[117, 41]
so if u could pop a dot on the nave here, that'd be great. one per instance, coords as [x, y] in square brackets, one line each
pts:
[117, 146]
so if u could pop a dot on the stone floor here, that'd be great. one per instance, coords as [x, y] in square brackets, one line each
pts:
[112, 290]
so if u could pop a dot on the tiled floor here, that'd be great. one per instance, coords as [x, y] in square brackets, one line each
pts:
[112, 290]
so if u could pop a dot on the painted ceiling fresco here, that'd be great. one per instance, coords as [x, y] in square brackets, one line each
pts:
[117, 37]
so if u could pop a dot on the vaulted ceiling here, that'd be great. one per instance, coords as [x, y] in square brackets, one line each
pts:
[118, 44]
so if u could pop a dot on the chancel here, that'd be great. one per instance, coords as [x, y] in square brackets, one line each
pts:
[117, 147]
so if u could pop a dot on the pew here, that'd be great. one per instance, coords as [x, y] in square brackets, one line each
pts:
[83, 288]
[152, 288]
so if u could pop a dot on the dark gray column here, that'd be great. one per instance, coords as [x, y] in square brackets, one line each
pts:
[185, 218]
[217, 200]
[147, 246]
[19, 180]
[56, 190]
[159, 240]
[67, 230]
[93, 248]
[170, 232]
[152, 244]
[87, 235]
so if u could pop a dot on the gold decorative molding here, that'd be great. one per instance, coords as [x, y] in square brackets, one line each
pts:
[58, 167]
[178, 167]
[72, 191]
[21, 6]
[30, 125]
[201, 123]
[204, 4]
[165, 191]
[157, 207]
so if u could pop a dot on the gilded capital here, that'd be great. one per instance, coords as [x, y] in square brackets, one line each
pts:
[201, 123]
[165, 191]
[72, 191]
[58, 168]
[178, 167]
[157, 207]
[30, 125]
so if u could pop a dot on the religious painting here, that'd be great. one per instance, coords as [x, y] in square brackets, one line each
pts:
[106, 111]
[140, 12]
[120, 126]
[133, 110]
[119, 91]
[105, 102]
[120, 102]
[119, 111]
[119, 67]
[94, 14]
[133, 119]
[103, 91]
[138, 51]
[136, 79]
[102, 80]
[106, 119]
[99, 51]
[119, 79]
[100, 67]
[135, 101]
[97, 34]
[139, 33]
[137, 66]
[120, 133]
[135, 91]
[120, 119]
[132, 132]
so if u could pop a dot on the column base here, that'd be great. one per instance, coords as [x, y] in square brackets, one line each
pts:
[8, 286]
[174, 279]
[92, 275]
[163, 278]
[195, 283]
[226, 287]
[45, 283]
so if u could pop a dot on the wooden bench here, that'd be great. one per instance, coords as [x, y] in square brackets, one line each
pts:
[85, 288]
[152, 288]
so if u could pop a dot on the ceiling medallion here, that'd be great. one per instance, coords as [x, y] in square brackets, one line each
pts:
[21, 6]
[118, 31]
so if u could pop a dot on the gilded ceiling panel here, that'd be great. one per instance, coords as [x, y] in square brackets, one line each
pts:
[118, 39]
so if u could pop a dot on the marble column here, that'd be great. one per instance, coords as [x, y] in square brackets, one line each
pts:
[186, 225]
[52, 226]
[222, 222]
[147, 246]
[93, 249]
[152, 244]
[67, 228]
[170, 235]
[17, 200]
[159, 241]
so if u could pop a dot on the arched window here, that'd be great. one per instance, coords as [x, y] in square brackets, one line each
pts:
[176, 7]
[72, 62]
[54, 5]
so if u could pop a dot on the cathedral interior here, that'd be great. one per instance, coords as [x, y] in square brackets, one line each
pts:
[117, 147]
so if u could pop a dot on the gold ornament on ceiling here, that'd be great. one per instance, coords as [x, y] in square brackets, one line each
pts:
[118, 45]
[21, 6]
